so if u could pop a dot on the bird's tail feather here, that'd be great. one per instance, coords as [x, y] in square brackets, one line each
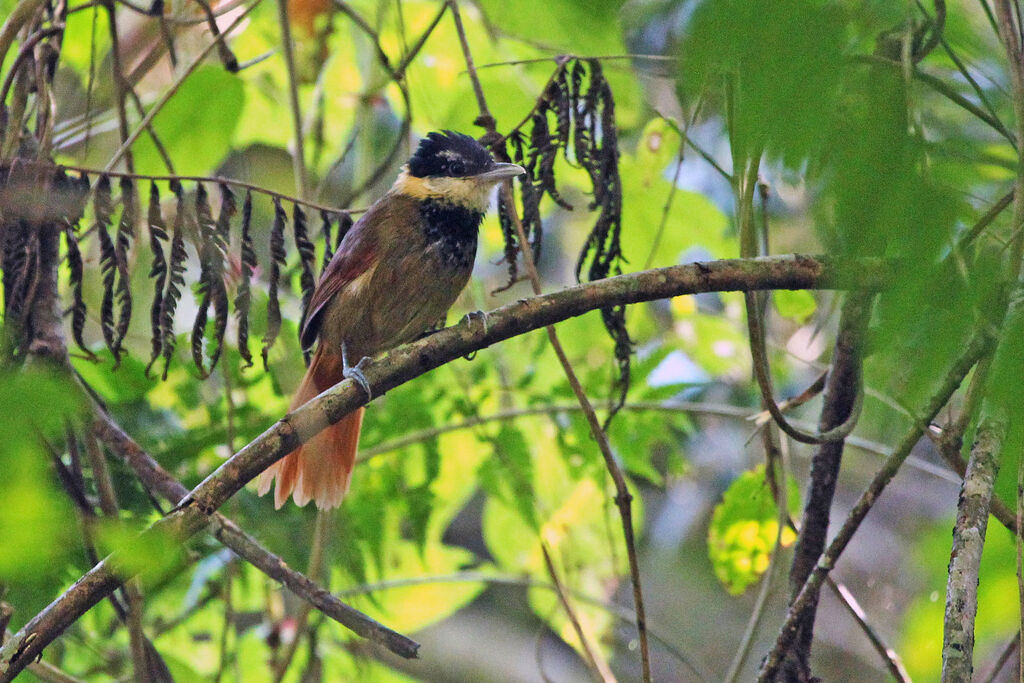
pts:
[320, 469]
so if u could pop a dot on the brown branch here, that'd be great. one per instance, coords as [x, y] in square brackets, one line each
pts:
[598, 666]
[197, 510]
[965, 560]
[977, 347]
[158, 480]
[842, 394]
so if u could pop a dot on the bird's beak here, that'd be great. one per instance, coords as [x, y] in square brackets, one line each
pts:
[499, 172]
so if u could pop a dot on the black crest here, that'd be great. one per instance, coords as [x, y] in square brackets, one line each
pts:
[449, 154]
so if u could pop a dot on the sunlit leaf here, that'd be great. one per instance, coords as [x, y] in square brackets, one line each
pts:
[744, 529]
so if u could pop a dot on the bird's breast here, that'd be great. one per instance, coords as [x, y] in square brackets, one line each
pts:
[451, 229]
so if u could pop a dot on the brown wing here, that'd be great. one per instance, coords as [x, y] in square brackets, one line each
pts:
[355, 255]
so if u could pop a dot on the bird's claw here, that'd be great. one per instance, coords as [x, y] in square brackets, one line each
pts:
[357, 375]
[478, 315]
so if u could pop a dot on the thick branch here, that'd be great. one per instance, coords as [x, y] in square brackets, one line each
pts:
[965, 560]
[403, 364]
[841, 395]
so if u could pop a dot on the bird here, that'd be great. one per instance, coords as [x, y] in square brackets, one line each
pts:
[394, 276]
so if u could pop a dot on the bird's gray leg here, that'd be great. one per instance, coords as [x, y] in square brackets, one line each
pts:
[355, 373]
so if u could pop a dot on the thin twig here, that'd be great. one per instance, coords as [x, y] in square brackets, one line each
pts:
[623, 498]
[315, 570]
[779, 486]
[298, 149]
[889, 657]
[173, 88]
[219, 180]
[156, 479]
[597, 664]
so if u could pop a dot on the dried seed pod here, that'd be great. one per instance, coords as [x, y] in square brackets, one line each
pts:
[243, 298]
[277, 259]
[157, 236]
[176, 276]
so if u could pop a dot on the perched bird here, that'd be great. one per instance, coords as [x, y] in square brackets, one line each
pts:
[394, 276]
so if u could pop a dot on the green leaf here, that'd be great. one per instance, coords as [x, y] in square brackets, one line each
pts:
[572, 26]
[744, 528]
[37, 525]
[781, 59]
[196, 125]
[797, 304]
[148, 554]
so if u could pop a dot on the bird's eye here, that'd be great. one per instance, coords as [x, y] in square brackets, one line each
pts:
[456, 167]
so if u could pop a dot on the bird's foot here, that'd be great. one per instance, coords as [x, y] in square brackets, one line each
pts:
[478, 315]
[357, 375]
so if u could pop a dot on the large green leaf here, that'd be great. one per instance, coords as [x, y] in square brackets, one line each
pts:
[197, 124]
[744, 529]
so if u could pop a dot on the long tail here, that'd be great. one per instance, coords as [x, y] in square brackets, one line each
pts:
[320, 469]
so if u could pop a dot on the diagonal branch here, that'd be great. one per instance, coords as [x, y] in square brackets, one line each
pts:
[158, 480]
[965, 560]
[842, 394]
[196, 511]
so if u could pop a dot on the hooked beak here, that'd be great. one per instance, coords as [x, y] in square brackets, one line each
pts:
[500, 171]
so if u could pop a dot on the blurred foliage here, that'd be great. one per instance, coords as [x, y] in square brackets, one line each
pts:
[863, 155]
[745, 529]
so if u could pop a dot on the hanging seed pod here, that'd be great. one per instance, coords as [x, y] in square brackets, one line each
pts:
[277, 259]
[75, 266]
[176, 276]
[125, 234]
[158, 272]
[243, 299]
[325, 235]
[103, 208]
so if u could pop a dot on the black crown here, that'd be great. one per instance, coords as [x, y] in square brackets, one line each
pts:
[449, 154]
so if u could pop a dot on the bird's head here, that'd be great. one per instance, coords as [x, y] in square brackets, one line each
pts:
[453, 168]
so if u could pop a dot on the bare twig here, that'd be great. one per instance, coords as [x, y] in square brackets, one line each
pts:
[889, 657]
[173, 88]
[777, 477]
[595, 662]
[315, 569]
[298, 150]
[227, 532]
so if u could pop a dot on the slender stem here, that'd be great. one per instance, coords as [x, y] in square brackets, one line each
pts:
[214, 179]
[782, 514]
[298, 150]
[314, 569]
[597, 664]
[889, 657]
[173, 88]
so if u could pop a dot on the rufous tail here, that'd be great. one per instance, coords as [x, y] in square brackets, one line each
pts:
[320, 469]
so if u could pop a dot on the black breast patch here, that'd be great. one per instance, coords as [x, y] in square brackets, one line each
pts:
[453, 228]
